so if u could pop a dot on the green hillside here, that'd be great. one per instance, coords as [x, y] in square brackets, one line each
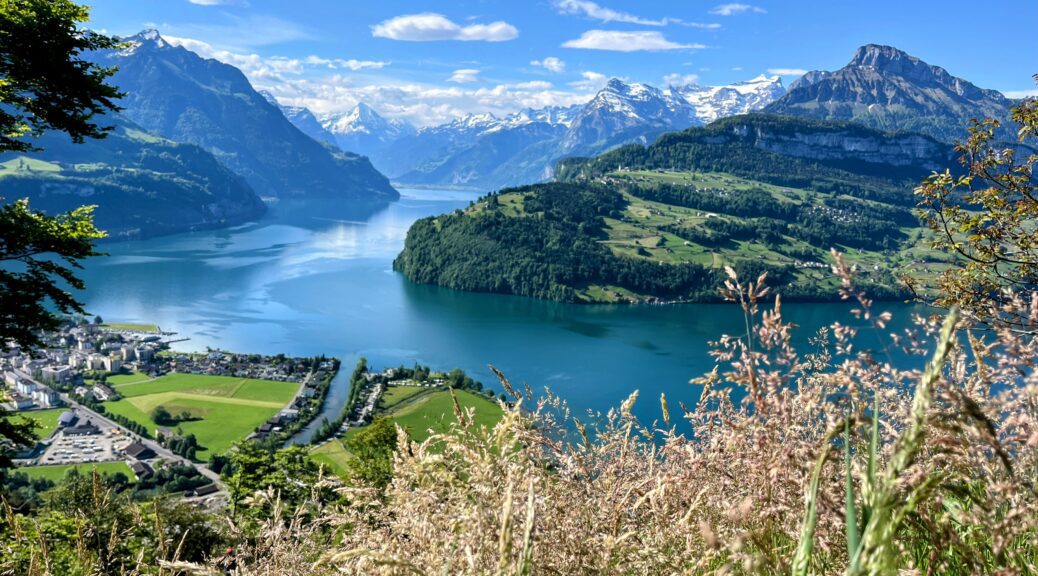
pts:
[143, 185]
[622, 228]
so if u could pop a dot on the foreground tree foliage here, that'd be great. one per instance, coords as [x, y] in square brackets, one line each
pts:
[44, 85]
[988, 216]
[88, 526]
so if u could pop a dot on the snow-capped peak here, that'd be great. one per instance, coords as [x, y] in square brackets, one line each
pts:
[149, 37]
[713, 102]
[364, 120]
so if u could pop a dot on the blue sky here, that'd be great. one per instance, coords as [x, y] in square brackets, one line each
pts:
[429, 62]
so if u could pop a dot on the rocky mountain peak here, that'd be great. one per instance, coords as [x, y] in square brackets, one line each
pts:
[149, 38]
[886, 88]
[881, 57]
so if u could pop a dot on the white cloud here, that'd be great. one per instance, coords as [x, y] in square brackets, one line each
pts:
[1015, 94]
[219, 2]
[592, 10]
[270, 67]
[787, 71]
[429, 26]
[551, 64]
[590, 81]
[680, 79]
[702, 25]
[420, 104]
[464, 76]
[603, 14]
[626, 41]
[532, 85]
[737, 69]
[735, 8]
[352, 64]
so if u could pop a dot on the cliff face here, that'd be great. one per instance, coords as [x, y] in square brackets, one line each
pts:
[896, 150]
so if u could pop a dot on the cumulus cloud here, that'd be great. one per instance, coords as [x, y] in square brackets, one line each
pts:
[464, 76]
[735, 8]
[270, 67]
[787, 71]
[429, 26]
[680, 79]
[618, 41]
[551, 64]
[419, 104]
[590, 81]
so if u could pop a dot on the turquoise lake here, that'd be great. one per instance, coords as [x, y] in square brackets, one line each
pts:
[316, 278]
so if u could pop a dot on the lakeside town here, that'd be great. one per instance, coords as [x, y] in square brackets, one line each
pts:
[87, 366]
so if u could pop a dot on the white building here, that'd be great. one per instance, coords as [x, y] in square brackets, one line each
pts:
[77, 360]
[18, 403]
[58, 373]
[96, 362]
[11, 379]
[25, 387]
[46, 398]
[113, 363]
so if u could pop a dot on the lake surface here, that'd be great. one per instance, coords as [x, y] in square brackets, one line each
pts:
[316, 278]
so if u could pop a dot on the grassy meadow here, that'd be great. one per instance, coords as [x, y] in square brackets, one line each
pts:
[46, 420]
[56, 473]
[333, 455]
[223, 409]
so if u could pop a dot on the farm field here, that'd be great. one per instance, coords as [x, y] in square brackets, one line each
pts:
[46, 419]
[435, 411]
[397, 394]
[333, 455]
[57, 473]
[223, 409]
[117, 380]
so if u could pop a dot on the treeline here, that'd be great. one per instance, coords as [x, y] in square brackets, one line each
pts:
[181, 445]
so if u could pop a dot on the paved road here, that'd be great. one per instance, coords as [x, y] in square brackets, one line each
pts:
[164, 453]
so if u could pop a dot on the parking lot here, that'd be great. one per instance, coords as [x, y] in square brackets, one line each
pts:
[101, 447]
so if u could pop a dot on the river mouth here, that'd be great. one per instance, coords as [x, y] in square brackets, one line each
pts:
[315, 277]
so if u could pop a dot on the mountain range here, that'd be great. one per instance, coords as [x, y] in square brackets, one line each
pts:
[196, 130]
[176, 94]
[881, 87]
[486, 152]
